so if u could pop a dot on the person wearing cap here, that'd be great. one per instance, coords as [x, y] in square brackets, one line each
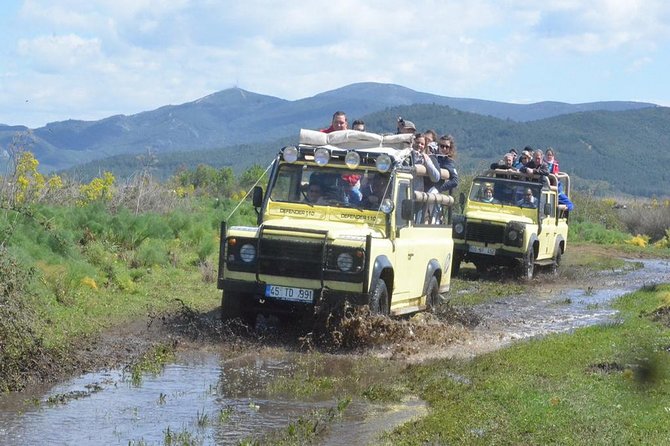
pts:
[523, 159]
[351, 188]
[405, 126]
[339, 122]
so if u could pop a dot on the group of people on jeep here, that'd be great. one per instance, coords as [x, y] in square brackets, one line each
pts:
[439, 153]
[533, 162]
[428, 150]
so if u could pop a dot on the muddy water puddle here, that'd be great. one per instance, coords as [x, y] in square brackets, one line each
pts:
[554, 308]
[211, 397]
[203, 398]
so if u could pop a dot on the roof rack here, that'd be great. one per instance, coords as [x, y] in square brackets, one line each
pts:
[354, 139]
[552, 180]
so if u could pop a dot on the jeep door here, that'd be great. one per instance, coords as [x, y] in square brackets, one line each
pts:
[548, 221]
[405, 250]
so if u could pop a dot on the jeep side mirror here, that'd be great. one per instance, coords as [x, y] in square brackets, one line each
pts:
[407, 209]
[461, 200]
[257, 199]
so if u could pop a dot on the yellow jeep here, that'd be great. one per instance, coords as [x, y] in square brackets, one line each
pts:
[512, 219]
[336, 227]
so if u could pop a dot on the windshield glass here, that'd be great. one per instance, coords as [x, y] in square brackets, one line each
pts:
[505, 192]
[316, 185]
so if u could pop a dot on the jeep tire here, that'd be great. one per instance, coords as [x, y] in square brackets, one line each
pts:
[527, 265]
[433, 295]
[456, 265]
[556, 263]
[379, 299]
[230, 306]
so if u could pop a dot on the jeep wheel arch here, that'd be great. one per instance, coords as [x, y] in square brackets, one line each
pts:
[382, 267]
[433, 270]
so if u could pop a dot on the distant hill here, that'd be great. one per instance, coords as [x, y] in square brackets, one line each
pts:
[606, 152]
[235, 116]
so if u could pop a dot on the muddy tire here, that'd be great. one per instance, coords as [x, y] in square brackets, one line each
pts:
[482, 268]
[230, 306]
[456, 266]
[527, 266]
[556, 263]
[433, 295]
[379, 299]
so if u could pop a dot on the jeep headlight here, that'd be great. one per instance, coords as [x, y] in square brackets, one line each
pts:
[514, 232]
[458, 225]
[386, 206]
[248, 253]
[345, 261]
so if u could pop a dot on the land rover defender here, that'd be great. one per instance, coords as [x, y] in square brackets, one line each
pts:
[336, 227]
[514, 220]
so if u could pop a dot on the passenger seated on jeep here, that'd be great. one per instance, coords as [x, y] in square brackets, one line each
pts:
[487, 195]
[528, 200]
[351, 189]
[506, 163]
[374, 190]
[314, 193]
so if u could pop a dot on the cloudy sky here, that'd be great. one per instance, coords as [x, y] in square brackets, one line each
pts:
[89, 59]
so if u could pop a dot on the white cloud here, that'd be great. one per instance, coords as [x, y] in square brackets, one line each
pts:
[126, 56]
[54, 53]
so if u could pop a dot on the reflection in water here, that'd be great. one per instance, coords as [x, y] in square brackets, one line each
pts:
[209, 400]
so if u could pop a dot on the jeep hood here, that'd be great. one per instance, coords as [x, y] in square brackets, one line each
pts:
[499, 217]
[335, 230]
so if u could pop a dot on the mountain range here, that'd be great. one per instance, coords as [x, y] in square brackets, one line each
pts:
[233, 124]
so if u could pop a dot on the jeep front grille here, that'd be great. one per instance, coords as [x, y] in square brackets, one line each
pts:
[289, 258]
[485, 233]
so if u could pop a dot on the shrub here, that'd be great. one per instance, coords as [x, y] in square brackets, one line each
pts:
[649, 219]
[152, 252]
[596, 233]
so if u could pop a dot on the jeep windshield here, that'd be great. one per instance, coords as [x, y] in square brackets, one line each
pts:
[327, 186]
[505, 192]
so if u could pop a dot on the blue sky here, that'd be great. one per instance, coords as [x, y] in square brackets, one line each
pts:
[89, 59]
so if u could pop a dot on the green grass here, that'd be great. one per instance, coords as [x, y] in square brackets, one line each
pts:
[600, 385]
[71, 273]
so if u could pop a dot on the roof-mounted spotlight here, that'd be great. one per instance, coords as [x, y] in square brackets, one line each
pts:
[383, 163]
[290, 154]
[352, 160]
[321, 156]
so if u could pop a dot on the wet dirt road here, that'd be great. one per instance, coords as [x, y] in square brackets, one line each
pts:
[212, 395]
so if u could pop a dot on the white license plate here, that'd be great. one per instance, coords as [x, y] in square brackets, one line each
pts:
[483, 250]
[289, 293]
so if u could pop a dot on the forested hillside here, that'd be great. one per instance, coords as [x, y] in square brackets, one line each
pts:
[607, 153]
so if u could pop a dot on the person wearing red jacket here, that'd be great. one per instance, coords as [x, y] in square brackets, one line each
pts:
[339, 122]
